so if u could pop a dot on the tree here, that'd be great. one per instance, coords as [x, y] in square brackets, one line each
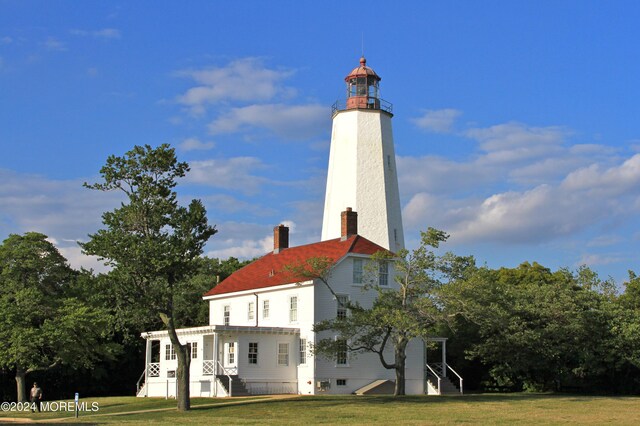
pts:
[150, 239]
[627, 328]
[538, 329]
[43, 324]
[400, 313]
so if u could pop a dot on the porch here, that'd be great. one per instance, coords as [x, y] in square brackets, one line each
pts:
[225, 361]
[440, 377]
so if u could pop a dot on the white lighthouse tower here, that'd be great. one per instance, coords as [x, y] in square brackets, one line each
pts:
[362, 164]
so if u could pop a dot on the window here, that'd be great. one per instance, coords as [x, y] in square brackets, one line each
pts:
[341, 382]
[383, 274]
[227, 314]
[341, 302]
[251, 311]
[357, 271]
[303, 351]
[293, 309]
[170, 352]
[171, 373]
[253, 352]
[265, 309]
[232, 353]
[283, 354]
[341, 353]
[192, 348]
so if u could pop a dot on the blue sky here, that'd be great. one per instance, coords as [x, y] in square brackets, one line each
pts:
[516, 123]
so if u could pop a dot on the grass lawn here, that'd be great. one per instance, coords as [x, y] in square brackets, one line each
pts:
[472, 409]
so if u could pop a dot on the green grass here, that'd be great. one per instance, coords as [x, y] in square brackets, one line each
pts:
[496, 409]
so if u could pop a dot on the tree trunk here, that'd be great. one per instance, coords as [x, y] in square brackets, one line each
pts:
[401, 357]
[21, 384]
[182, 373]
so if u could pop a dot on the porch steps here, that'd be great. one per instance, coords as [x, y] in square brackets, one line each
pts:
[143, 390]
[237, 385]
[447, 387]
[378, 387]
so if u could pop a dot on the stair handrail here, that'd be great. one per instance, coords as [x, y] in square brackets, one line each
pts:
[438, 376]
[459, 377]
[139, 380]
[224, 370]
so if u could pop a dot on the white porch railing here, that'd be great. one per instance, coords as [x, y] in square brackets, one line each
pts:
[437, 377]
[228, 376]
[459, 377]
[438, 370]
[153, 369]
[227, 371]
[208, 367]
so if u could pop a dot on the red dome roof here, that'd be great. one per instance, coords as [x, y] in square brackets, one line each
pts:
[362, 71]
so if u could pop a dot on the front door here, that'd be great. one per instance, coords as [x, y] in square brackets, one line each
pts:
[230, 357]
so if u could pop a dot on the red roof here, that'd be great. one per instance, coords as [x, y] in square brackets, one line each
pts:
[362, 71]
[269, 270]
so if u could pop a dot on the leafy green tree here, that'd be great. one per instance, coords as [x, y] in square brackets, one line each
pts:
[536, 328]
[400, 313]
[43, 323]
[627, 325]
[152, 240]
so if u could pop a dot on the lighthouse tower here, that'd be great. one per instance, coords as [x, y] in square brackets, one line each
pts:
[362, 164]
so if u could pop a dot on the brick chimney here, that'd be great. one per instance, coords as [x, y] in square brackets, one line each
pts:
[280, 238]
[349, 221]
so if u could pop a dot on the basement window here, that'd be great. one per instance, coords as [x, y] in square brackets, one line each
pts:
[341, 382]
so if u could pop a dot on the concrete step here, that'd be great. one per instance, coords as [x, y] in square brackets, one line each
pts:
[378, 387]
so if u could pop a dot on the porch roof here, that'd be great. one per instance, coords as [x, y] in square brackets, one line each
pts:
[213, 329]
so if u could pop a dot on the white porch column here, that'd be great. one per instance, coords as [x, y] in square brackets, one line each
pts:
[147, 360]
[215, 361]
[444, 358]
[216, 342]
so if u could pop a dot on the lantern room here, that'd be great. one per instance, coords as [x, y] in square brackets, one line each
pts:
[363, 90]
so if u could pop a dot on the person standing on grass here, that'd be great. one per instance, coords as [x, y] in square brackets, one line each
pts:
[36, 396]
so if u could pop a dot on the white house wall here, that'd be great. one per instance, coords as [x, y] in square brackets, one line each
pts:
[315, 303]
[364, 368]
[279, 299]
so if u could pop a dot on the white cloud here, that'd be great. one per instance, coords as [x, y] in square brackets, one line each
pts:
[438, 121]
[525, 184]
[230, 204]
[615, 180]
[78, 260]
[513, 134]
[599, 259]
[287, 121]
[438, 174]
[194, 144]
[604, 241]
[52, 43]
[244, 240]
[104, 33]
[585, 198]
[235, 173]
[241, 80]
[60, 209]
